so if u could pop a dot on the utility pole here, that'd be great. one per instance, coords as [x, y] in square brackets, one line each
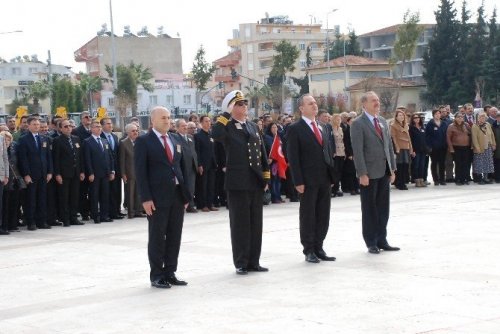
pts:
[49, 70]
[113, 47]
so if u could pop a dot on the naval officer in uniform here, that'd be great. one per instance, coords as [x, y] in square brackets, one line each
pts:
[247, 176]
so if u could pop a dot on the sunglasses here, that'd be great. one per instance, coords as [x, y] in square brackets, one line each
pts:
[86, 116]
[66, 126]
[241, 103]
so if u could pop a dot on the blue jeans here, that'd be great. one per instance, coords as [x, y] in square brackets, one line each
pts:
[418, 166]
[275, 188]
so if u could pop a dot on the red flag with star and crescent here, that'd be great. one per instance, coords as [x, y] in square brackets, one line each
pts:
[277, 155]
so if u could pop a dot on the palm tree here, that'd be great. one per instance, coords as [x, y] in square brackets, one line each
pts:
[90, 85]
[253, 94]
[37, 91]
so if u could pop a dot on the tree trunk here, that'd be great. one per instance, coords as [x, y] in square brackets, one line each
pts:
[396, 99]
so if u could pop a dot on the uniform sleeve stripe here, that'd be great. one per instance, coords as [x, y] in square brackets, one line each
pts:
[223, 120]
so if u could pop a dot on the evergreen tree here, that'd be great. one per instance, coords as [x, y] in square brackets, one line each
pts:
[461, 87]
[491, 65]
[440, 60]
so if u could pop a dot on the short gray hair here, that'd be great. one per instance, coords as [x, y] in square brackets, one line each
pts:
[300, 100]
[129, 127]
[178, 122]
[364, 97]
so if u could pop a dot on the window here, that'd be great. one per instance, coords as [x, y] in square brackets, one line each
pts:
[250, 48]
[111, 101]
[250, 66]
[276, 30]
[169, 100]
[308, 31]
[303, 63]
[263, 30]
[153, 100]
[33, 70]
[16, 71]
[248, 33]
[302, 46]
[187, 99]
[293, 30]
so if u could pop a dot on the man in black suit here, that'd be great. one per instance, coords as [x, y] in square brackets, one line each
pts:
[115, 186]
[99, 168]
[83, 132]
[247, 175]
[68, 172]
[164, 195]
[35, 165]
[205, 150]
[373, 155]
[311, 165]
[190, 160]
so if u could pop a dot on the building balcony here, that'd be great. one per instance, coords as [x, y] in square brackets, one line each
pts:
[224, 78]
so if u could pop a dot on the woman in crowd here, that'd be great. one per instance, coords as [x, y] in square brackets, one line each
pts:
[496, 157]
[340, 154]
[402, 148]
[483, 145]
[458, 137]
[348, 178]
[435, 135]
[10, 219]
[417, 136]
[270, 133]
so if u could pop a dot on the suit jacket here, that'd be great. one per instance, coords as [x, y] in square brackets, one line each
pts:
[98, 162]
[4, 160]
[205, 150]
[328, 131]
[115, 151]
[372, 155]
[311, 164]
[190, 158]
[155, 174]
[33, 161]
[81, 132]
[127, 166]
[246, 157]
[68, 161]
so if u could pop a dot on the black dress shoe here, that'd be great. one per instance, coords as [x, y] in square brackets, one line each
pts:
[172, 280]
[31, 228]
[85, 218]
[97, 221]
[106, 220]
[322, 256]
[2, 232]
[190, 209]
[389, 248]
[77, 222]
[373, 250]
[258, 268]
[161, 284]
[117, 217]
[66, 224]
[442, 183]
[54, 223]
[340, 194]
[241, 271]
[139, 215]
[312, 258]
[44, 227]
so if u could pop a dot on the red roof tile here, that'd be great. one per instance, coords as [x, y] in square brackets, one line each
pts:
[390, 30]
[351, 61]
[377, 82]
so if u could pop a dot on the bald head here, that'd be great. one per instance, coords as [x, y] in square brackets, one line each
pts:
[160, 119]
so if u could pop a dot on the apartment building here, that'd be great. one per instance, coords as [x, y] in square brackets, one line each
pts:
[379, 44]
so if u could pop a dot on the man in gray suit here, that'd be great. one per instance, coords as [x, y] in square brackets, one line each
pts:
[189, 159]
[127, 167]
[374, 160]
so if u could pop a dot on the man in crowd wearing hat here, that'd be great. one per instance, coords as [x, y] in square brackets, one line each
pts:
[247, 175]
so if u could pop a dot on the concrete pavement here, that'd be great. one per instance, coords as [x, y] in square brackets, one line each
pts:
[94, 278]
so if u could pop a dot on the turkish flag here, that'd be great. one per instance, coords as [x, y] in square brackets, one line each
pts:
[277, 155]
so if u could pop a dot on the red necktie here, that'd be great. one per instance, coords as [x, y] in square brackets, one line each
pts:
[317, 133]
[377, 127]
[167, 148]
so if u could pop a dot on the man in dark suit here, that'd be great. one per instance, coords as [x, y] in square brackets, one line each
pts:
[375, 166]
[115, 186]
[207, 165]
[127, 168]
[99, 168]
[311, 166]
[35, 165]
[190, 160]
[68, 172]
[164, 196]
[83, 132]
[247, 175]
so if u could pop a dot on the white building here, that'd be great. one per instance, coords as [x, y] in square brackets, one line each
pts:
[15, 77]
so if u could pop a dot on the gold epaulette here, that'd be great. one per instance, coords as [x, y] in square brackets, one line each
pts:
[266, 175]
[223, 120]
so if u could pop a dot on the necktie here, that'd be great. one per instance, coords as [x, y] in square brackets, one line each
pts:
[111, 142]
[167, 148]
[37, 139]
[100, 143]
[317, 133]
[70, 142]
[377, 127]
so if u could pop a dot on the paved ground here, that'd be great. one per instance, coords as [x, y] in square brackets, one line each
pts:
[94, 278]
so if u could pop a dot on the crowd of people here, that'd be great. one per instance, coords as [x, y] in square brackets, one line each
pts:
[54, 173]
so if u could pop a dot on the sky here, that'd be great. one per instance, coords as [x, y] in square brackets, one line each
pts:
[63, 26]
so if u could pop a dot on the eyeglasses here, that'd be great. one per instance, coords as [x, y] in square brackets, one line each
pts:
[86, 116]
[66, 126]
[241, 103]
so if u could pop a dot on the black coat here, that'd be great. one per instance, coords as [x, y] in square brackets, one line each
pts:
[81, 132]
[310, 163]
[114, 152]
[205, 150]
[98, 162]
[155, 174]
[68, 161]
[33, 161]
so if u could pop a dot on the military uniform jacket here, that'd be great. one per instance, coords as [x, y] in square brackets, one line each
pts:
[246, 156]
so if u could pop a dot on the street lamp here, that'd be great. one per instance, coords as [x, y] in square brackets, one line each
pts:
[113, 48]
[328, 50]
[345, 69]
